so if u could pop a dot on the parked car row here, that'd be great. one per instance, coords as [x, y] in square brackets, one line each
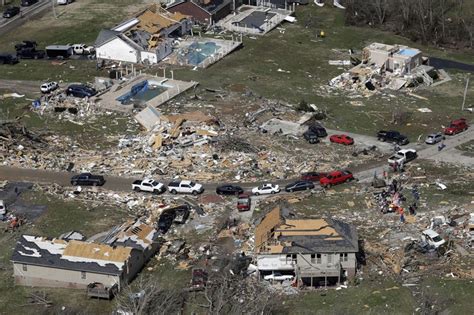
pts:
[27, 49]
[75, 90]
[190, 187]
[455, 127]
[182, 187]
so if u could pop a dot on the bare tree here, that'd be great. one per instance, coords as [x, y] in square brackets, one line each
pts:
[228, 294]
[146, 296]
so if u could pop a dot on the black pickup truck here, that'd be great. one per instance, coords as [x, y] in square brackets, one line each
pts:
[392, 136]
[85, 179]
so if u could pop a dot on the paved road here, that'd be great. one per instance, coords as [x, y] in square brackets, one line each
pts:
[115, 183]
[21, 86]
[7, 25]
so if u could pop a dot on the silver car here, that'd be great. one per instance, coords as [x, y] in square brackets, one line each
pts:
[434, 138]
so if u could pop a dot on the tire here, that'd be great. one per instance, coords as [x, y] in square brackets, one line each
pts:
[173, 191]
[291, 190]
[94, 184]
[195, 192]
[136, 189]
[156, 191]
[257, 194]
[272, 193]
[382, 139]
[74, 183]
[328, 186]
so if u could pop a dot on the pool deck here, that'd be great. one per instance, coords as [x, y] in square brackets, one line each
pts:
[225, 48]
[245, 12]
[108, 100]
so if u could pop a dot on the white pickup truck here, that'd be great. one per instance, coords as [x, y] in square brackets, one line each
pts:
[402, 156]
[83, 49]
[185, 187]
[148, 185]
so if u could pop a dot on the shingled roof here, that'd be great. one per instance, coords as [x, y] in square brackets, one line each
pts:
[73, 255]
[276, 234]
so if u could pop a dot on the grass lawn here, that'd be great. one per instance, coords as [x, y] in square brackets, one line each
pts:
[94, 132]
[448, 296]
[60, 217]
[467, 147]
[79, 22]
[370, 297]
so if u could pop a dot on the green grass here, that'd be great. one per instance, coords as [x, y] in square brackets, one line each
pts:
[370, 297]
[74, 25]
[94, 133]
[60, 217]
[467, 148]
[448, 296]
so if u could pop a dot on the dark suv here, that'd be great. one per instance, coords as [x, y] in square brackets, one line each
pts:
[318, 130]
[30, 53]
[392, 136]
[25, 44]
[8, 59]
[27, 3]
[311, 137]
[166, 220]
[80, 90]
[11, 12]
[87, 179]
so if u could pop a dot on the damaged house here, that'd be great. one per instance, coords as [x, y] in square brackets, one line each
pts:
[108, 263]
[146, 38]
[389, 66]
[206, 12]
[318, 252]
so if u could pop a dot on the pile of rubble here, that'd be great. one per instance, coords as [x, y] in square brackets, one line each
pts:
[390, 67]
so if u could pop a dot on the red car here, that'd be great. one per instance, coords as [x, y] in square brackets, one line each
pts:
[342, 139]
[312, 176]
[244, 202]
[456, 126]
[335, 178]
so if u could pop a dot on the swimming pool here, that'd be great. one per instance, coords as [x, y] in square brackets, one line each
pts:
[197, 52]
[141, 92]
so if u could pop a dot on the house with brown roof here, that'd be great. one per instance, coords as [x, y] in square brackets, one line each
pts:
[145, 38]
[315, 251]
[205, 12]
[111, 262]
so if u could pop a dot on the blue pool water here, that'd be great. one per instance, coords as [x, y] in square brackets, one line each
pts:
[140, 93]
[196, 53]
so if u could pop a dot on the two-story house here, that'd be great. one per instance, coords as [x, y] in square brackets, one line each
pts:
[318, 252]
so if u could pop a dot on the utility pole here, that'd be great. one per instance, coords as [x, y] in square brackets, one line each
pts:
[54, 9]
[465, 93]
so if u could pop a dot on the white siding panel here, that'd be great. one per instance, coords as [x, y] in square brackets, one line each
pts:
[117, 50]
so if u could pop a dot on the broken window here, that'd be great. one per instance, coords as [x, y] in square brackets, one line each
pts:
[318, 257]
[293, 256]
[83, 274]
[313, 258]
[343, 257]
